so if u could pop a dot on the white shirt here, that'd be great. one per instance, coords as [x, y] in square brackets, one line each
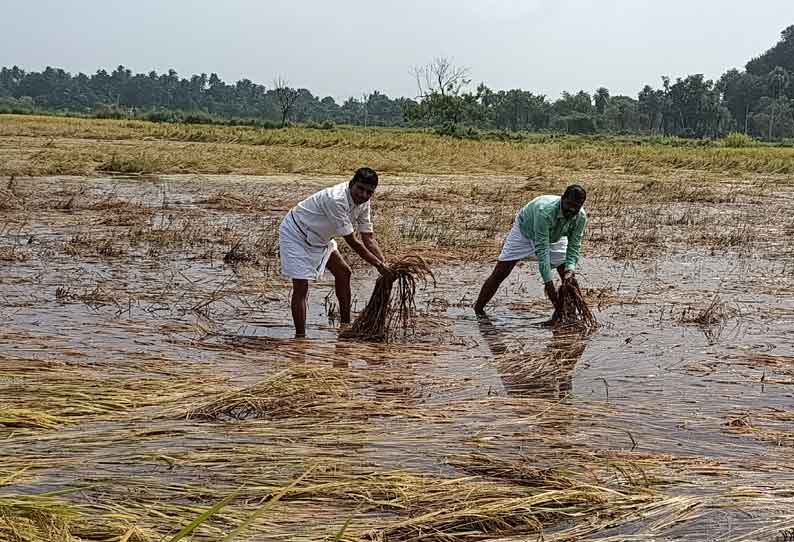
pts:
[331, 213]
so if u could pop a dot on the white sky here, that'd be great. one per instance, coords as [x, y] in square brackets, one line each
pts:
[347, 47]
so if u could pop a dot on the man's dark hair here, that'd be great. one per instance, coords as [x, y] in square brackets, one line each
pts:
[366, 176]
[575, 192]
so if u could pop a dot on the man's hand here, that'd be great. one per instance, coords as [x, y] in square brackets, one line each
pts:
[551, 292]
[567, 275]
[384, 270]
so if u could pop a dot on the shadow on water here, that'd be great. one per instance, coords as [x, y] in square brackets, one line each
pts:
[547, 373]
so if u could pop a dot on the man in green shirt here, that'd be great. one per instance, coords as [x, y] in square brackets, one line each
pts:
[549, 229]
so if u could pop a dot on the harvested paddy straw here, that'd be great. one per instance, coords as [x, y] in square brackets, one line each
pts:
[293, 392]
[391, 309]
[8, 200]
[571, 309]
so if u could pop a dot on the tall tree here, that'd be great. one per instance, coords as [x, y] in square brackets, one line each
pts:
[781, 54]
[651, 107]
[778, 81]
[441, 76]
[741, 92]
[601, 99]
[286, 97]
[440, 85]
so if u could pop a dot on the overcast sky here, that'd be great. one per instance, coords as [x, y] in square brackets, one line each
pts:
[346, 47]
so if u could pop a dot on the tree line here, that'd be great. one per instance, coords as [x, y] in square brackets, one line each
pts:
[200, 98]
[758, 101]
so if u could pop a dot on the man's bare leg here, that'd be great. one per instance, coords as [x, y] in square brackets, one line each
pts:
[500, 272]
[300, 291]
[341, 272]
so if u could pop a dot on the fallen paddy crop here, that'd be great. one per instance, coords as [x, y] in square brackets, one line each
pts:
[62, 146]
[153, 389]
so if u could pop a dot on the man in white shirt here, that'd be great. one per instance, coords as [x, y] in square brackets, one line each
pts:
[307, 246]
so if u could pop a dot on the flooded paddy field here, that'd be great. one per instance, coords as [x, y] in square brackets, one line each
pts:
[150, 388]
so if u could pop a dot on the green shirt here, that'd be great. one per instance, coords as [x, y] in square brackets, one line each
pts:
[541, 221]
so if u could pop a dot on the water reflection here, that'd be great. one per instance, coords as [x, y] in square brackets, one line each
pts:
[547, 373]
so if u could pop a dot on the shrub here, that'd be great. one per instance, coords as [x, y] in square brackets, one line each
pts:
[737, 140]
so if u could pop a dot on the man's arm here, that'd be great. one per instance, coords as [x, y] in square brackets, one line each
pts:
[359, 248]
[574, 250]
[368, 238]
[540, 237]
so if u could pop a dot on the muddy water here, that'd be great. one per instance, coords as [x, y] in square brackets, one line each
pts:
[649, 382]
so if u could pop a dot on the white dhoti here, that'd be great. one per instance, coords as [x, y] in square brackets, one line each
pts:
[518, 247]
[299, 259]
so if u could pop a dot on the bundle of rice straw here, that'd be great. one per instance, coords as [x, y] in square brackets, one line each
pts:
[571, 309]
[8, 200]
[391, 309]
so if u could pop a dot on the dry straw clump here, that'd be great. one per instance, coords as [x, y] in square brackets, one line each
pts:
[390, 506]
[36, 403]
[391, 310]
[12, 254]
[122, 213]
[253, 252]
[779, 364]
[571, 309]
[520, 472]
[8, 200]
[46, 518]
[769, 425]
[717, 312]
[24, 418]
[230, 201]
[712, 319]
[474, 508]
[84, 245]
[297, 391]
